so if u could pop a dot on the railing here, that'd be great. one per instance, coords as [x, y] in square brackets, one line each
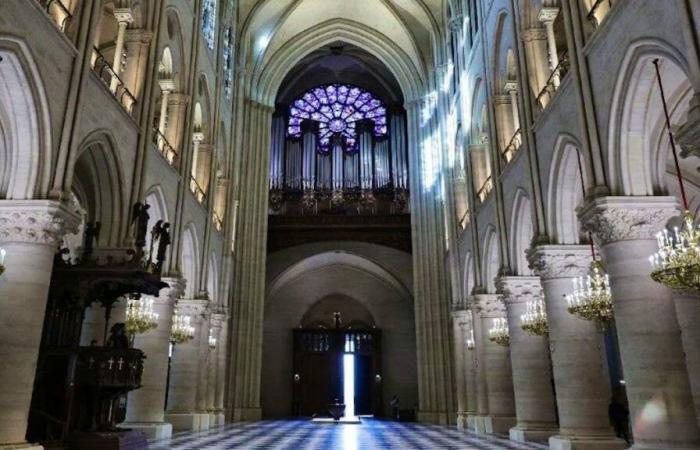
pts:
[485, 190]
[167, 150]
[552, 84]
[59, 13]
[465, 220]
[106, 72]
[598, 12]
[197, 190]
[218, 221]
[513, 146]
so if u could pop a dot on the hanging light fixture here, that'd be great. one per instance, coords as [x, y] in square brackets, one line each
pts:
[182, 330]
[534, 321]
[591, 298]
[2, 260]
[140, 316]
[212, 339]
[498, 332]
[677, 263]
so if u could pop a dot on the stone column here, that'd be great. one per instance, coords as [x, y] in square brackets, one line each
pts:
[175, 117]
[477, 420]
[547, 17]
[213, 368]
[146, 406]
[460, 324]
[511, 88]
[124, 18]
[688, 314]
[222, 360]
[204, 158]
[535, 406]
[137, 45]
[496, 361]
[658, 388]
[535, 43]
[166, 87]
[30, 231]
[203, 381]
[185, 368]
[576, 345]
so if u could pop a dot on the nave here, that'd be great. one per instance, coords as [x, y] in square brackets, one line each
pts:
[305, 435]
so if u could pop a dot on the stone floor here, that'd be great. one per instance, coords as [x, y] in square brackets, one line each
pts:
[303, 435]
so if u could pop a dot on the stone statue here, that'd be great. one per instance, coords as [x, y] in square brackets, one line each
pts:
[92, 234]
[140, 216]
[163, 243]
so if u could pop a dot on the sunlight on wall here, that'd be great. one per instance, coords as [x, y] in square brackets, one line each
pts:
[349, 385]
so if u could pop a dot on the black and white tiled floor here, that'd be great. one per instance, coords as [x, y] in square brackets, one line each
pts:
[304, 435]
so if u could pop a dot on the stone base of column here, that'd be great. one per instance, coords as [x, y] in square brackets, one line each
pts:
[531, 434]
[152, 430]
[436, 417]
[188, 421]
[478, 424]
[21, 447]
[585, 443]
[499, 424]
[246, 414]
[216, 419]
[462, 420]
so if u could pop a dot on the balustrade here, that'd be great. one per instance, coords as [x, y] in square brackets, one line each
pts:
[218, 221]
[59, 13]
[197, 190]
[110, 78]
[552, 84]
[485, 189]
[513, 146]
[598, 12]
[167, 150]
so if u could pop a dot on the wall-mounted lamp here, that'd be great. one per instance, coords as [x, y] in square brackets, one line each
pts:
[378, 378]
[297, 378]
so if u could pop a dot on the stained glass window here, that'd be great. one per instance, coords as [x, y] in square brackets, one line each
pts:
[228, 63]
[209, 22]
[337, 108]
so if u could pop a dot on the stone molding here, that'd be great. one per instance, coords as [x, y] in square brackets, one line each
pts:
[36, 221]
[462, 318]
[534, 34]
[490, 305]
[139, 35]
[560, 261]
[123, 15]
[614, 219]
[501, 99]
[178, 98]
[217, 320]
[519, 289]
[455, 23]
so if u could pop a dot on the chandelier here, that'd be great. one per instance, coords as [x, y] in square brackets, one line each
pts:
[182, 330]
[140, 316]
[498, 332]
[2, 260]
[591, 298]
[534, 321]
[677, 263]
[212, 339]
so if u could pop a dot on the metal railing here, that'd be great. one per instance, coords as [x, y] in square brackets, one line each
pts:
[553, 82]
[167, 150]
[598, 12]
[465, 220]
[106, 72]
[513, 146]
[197, 190]
[218, 221]
[485, 189]
[58, 12]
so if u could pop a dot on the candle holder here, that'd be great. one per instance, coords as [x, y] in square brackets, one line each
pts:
[498, 332]
[182, 330]
[534, 321]
[591, 298]
[140, 316]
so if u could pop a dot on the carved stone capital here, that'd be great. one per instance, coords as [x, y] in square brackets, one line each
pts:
[510, 86]
[455, 23]
[196, 308]
[36, 221]
[462, 318]
[534, 34]
[175, 290]
[123, 15]
[490, 305]
[548, 14]
[167, 85]
[614, 219]
[560, 261]
[519, 289]
[688, 134]
[217, 320]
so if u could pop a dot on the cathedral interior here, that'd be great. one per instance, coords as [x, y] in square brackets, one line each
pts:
[349, 224]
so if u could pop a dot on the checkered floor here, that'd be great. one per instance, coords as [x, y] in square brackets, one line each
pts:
[303, 435]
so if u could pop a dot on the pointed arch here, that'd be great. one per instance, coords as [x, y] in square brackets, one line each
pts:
[491, 260]
[521, 232]
[189, 260]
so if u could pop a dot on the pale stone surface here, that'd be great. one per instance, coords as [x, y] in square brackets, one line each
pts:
[530, 361]
[658, 388]
[30, 232]
[496, 359]
[582, 387]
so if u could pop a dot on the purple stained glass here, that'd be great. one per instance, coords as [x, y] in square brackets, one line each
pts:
[337, 107]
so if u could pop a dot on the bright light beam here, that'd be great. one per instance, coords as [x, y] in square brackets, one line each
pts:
[349, 384]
